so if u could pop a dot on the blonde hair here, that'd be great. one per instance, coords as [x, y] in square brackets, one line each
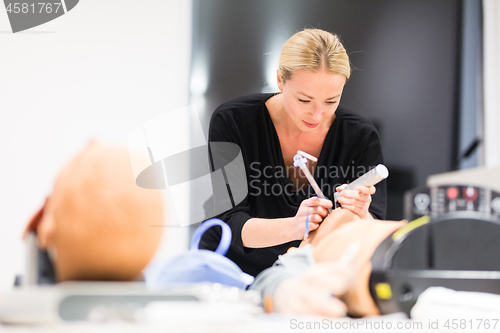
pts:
[313, 49]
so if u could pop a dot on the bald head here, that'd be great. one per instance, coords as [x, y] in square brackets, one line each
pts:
[98, 224]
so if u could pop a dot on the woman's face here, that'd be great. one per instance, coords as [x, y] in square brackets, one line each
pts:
[310, 99]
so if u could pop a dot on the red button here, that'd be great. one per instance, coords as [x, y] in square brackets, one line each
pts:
[452, 193]
[470, 193]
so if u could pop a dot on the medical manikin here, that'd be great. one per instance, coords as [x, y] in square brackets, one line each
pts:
[97, 224]
[451, 242]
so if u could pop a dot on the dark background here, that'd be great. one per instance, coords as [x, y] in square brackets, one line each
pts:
[406, 68]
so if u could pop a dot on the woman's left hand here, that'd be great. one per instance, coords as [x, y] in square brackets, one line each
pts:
[357, 201]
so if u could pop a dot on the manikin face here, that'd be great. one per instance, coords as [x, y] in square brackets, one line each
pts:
[337, 232]
[310, 99]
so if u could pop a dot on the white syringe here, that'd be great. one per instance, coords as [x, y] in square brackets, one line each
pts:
[372, 177]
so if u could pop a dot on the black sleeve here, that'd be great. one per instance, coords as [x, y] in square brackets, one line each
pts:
[223, 128]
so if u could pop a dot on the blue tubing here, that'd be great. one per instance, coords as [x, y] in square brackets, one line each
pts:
[225, 239]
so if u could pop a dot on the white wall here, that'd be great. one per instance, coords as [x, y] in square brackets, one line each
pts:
[491, 40]
[99, 71]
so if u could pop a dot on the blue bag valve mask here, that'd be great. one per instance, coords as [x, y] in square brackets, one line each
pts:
[199, 265]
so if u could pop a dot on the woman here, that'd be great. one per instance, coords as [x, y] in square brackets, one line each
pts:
[270, 128]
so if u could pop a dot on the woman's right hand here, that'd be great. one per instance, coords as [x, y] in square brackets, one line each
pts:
[317, 209]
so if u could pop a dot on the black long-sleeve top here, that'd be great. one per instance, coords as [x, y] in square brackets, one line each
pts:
[351, 147]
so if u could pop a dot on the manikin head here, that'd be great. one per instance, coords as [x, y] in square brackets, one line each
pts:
[337, 232]
[98, 224]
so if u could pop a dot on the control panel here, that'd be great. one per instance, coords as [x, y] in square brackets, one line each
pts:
[438, 200]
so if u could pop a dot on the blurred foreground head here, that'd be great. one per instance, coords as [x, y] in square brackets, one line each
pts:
[98, 224]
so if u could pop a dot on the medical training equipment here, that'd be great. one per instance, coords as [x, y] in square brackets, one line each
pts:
[451, 242]
[204, 277]
[98, 301]
[198, 265]
[300, 160]
[370, 178]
